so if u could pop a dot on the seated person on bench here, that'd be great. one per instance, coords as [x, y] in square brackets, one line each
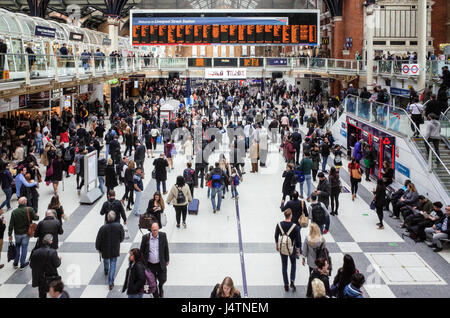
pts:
[398, 194]
[417, 223]
[439, 231]
[408, 199]
[423, 205]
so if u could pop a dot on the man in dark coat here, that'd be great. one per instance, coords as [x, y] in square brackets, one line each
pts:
[44, 262]
[139, 155]
[113, 205]
[155, 250]
[57, 290]
[114, 149]
[323, 189]
[161, 165]
[107, 243]
[49, 225]
[296, 141]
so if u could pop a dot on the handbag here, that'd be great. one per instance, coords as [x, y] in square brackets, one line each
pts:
[303, 219]
[372, 205]
[32, 227]
[127, 233]
[11, 251]
[49, 172]
[163, 219]
[154, 174]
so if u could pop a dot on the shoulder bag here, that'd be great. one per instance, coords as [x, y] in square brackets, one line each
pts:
[303, 220]
[32, 226]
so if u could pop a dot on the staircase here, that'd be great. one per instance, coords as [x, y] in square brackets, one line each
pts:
[438, 169]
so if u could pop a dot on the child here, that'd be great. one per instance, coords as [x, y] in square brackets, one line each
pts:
[235, 180]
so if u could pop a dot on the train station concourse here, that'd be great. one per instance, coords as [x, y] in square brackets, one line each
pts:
[193, 149]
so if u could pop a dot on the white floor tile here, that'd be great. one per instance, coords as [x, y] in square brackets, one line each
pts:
[349, 247]
[95, 291]
[379, 291]
[11, 290]
[203, 269]
[423, 275]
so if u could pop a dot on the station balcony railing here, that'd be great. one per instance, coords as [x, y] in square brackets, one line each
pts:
[27, 67]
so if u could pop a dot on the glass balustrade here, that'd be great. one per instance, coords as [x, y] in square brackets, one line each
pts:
[45, 66]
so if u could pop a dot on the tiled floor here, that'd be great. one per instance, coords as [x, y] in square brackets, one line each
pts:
[208, 250]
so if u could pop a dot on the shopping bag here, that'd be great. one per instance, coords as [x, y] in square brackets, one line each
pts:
[163, 219]
[72, 169]
[127, 233]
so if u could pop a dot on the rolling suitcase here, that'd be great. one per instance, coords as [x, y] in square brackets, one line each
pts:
[193, 206]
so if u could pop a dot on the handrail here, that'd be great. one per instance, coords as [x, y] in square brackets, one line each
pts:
[430, 161]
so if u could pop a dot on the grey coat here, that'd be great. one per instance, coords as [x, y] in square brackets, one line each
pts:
[309, 252]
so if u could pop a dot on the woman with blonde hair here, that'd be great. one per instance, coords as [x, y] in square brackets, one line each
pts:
[313, 241]
[225, 290]
[318, 289]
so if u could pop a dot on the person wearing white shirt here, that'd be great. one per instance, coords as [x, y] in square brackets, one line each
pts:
[416, 111]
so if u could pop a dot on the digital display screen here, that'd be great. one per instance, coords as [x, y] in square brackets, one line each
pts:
[266, 28]
[251, 62]
[199, 62]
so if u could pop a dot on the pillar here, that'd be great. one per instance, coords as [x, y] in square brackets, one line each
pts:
[113, 31]
[338, 38]
[422, 49]
[369, 28]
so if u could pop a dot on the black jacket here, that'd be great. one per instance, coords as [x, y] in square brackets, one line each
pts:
[214, 293]
[325, 190]
[160, 169]
[163, 249]
[116, 206]
[380, 196]
[44, 262]
[287, 183]
[324, 278]
[139, 154]
[110, 176]
[109, 238]
[49, 225]
[297, 207]
[101, 167]
[296, 139]
[134, 279]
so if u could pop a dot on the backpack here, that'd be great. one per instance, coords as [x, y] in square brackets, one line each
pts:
[216, 180]
[236, 180]
[67, 154]
[180, 197]
[285, 244]
[188, 176]
[322, 252]
[318, 214]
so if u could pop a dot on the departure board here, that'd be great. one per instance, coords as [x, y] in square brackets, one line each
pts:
[246, 27]
[199, 62]
[251, 62]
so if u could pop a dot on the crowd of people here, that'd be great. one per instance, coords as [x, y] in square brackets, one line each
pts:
[227, 119]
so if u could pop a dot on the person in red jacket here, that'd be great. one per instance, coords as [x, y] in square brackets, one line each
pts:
[290, 150]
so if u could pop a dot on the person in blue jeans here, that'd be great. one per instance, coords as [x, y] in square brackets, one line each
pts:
[107, 243]
[290, 229]
[305, 166]
[6, 180]
[138, 189]
[325, 152]
[217, 184]
[19, 225]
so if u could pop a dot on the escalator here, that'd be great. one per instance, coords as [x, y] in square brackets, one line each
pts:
[438, 169]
